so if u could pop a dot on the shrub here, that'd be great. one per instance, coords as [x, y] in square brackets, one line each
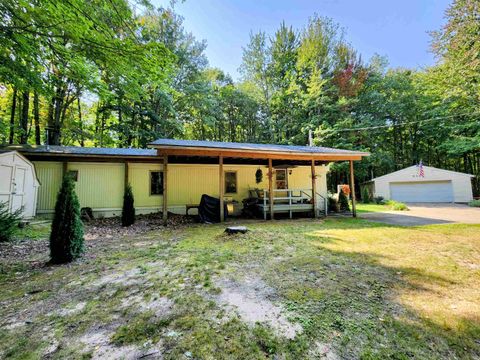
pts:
[379, 200]
[343, 201]
[366, 196]
[474, 203]
[8, 222]
[66, 238]
[397, 206]
[128, 210]
[332, 204]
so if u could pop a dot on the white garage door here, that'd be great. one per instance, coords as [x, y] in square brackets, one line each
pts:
[432, 191]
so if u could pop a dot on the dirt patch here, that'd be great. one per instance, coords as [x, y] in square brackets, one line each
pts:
[36, 252]
[322, 351]
[126, 278]
[111, 227]
[97, 344]
[251, 299]
[72, 310]
[159, 306]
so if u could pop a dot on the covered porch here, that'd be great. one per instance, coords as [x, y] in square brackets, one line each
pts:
[274, 200]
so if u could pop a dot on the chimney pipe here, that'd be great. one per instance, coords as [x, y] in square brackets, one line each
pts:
[47, 139]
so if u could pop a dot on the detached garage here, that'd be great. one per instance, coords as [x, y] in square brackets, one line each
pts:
[423, 184]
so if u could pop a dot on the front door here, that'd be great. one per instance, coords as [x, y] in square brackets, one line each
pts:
[281, 179]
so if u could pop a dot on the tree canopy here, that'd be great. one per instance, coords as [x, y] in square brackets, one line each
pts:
[120, 73]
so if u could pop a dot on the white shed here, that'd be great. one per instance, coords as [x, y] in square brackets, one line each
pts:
[18, 183]
[435, 186]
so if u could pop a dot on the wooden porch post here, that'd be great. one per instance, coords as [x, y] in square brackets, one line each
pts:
[314, 190]
[352, 190]
[165, 205]
[270, 187]
[221, 187]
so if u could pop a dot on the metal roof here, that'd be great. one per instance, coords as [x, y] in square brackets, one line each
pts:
[77, 150]
[386, 176]
[172, 143]
[252, 147]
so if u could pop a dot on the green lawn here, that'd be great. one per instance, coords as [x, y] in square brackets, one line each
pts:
[389, 206]
[364, 208]
[348, 288]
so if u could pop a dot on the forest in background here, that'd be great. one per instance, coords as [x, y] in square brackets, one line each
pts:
[119, 73]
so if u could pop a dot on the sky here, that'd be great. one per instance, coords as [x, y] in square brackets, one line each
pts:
[397, 29]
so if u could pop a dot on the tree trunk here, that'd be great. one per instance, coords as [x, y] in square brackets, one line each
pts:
[36, 117]
[12, 116]
[54, 121]
[102, 127]
[24, 117]
[82, 137]
[120, 120]
[97, 126]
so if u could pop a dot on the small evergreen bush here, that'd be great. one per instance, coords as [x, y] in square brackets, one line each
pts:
[8, 222]
[343, 201]
[332, 204]
[397, 206]
[366, 196]
[379, 200]
[66, 238]
[128, 210]
[474, 203]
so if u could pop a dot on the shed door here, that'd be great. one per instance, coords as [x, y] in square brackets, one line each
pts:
[431, 191]
[18, 193]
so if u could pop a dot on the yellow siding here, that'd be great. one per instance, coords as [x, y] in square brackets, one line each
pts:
[187, 183]
[301, 178]
[139, 178]
[99, 185]
[50, 177]
[246, 180]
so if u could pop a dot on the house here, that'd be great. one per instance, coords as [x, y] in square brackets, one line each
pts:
[423, 184]
[173, 174]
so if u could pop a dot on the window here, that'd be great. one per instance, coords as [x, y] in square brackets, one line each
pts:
[156, 182]
[230, 182]
[281, 179]
[73, 174]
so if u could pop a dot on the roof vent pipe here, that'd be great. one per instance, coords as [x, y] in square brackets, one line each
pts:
[46, 140]
[310, 138]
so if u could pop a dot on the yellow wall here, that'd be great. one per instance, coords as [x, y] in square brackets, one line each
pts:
[100, 185]
[49, 175]
[139, 178]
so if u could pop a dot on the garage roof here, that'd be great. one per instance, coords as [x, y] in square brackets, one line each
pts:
[386, 176]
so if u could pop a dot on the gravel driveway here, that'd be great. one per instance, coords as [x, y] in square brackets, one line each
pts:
[425, 214]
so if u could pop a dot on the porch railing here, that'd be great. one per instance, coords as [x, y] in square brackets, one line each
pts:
[292, 200]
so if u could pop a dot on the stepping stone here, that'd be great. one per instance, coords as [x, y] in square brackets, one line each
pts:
[236, 229]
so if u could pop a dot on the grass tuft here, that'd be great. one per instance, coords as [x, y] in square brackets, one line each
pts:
[474, 203]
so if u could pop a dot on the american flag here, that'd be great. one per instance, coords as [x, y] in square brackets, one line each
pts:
[421, 173]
